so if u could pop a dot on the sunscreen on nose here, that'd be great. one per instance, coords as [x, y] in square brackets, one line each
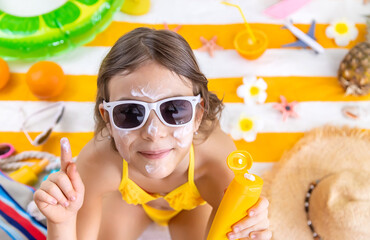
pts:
[28, 174]
[242, 193]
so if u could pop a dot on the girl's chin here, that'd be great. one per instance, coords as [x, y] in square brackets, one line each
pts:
[156, 173]
[161, 169]
[158, 170]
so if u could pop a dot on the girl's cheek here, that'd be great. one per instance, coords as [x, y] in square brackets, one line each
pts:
[184, 135]
[122, 139]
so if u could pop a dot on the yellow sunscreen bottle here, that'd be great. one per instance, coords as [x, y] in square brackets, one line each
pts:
[28, 174]
[242, 193]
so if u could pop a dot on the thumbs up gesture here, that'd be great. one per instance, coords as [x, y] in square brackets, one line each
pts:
[61, 196]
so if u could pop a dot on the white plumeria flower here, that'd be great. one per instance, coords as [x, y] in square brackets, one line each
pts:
[343, 31]
[246, 127]
[253, 90]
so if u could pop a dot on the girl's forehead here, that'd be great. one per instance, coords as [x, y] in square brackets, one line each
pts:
[149, 83]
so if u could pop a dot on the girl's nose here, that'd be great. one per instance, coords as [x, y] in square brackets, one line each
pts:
[153, 128]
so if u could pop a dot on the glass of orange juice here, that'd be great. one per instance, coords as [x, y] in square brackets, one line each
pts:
[248, 48]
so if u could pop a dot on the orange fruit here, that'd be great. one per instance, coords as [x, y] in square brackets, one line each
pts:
[45, 79]
[4, 73]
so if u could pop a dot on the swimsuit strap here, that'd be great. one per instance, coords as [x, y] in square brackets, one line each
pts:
[191, 166]
[125, 170]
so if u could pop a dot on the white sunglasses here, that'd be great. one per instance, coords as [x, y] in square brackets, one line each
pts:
[131, 114]
[44, 135]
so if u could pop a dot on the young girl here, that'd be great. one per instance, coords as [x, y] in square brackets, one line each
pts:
[158, 153]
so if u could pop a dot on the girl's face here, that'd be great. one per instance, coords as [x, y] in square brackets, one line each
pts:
[155, 149]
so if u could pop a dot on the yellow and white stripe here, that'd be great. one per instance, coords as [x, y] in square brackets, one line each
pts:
[298, 74]
[225, 63]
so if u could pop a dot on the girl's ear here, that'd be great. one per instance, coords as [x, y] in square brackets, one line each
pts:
[103, 113]
[199, 114]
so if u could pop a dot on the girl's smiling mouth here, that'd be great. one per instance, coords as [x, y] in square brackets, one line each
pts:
[155, 154]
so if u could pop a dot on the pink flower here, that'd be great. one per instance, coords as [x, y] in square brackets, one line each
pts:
[287, 109]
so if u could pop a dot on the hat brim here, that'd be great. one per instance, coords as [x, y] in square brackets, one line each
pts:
[320, 152]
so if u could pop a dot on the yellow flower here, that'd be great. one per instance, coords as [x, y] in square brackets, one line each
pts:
[253, 90]
[246, 127]
[343, 31]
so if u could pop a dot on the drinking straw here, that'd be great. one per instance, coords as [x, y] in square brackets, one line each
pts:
[249, 30]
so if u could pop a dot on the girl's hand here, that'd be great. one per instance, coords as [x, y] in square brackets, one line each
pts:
[255, 225]
[61, 196]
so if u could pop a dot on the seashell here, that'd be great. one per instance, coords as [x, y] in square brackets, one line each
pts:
[352, 112]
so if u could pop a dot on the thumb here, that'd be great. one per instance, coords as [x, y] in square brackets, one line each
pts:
[65, 154]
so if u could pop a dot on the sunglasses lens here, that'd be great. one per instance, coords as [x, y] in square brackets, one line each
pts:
[176, 112]
[128, 115]
[43, 137]
[4, 149]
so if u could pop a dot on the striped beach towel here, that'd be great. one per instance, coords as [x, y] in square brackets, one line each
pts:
[296, 73]
[15, 222]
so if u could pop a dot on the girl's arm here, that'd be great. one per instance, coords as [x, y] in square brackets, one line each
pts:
[88, 218]
[89, 178]
[66, 230]
[215, 181]
[93, 165]
[60, 197]
[215, 175]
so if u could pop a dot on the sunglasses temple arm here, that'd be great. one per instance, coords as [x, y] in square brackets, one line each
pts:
[46, 133]
[59, 116]
[61, 104]
[28, 137]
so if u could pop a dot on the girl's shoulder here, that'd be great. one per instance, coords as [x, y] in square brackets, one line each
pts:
[212, 176]
[215, 149]
[99, 165]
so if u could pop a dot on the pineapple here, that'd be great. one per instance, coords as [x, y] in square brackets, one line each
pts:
[354, 70]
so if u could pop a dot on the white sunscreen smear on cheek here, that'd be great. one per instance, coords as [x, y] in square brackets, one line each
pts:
[183, 135]
[124, 135]
[124, 138]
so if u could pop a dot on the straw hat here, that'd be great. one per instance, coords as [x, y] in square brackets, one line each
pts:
[320, 189]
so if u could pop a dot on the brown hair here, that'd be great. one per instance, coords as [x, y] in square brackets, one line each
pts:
[166, 48]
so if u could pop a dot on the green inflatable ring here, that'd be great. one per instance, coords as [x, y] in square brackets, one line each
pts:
[73, 24]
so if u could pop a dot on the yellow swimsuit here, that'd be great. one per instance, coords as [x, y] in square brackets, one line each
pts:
[185, 197]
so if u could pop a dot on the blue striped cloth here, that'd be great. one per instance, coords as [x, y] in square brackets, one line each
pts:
[15, 222]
